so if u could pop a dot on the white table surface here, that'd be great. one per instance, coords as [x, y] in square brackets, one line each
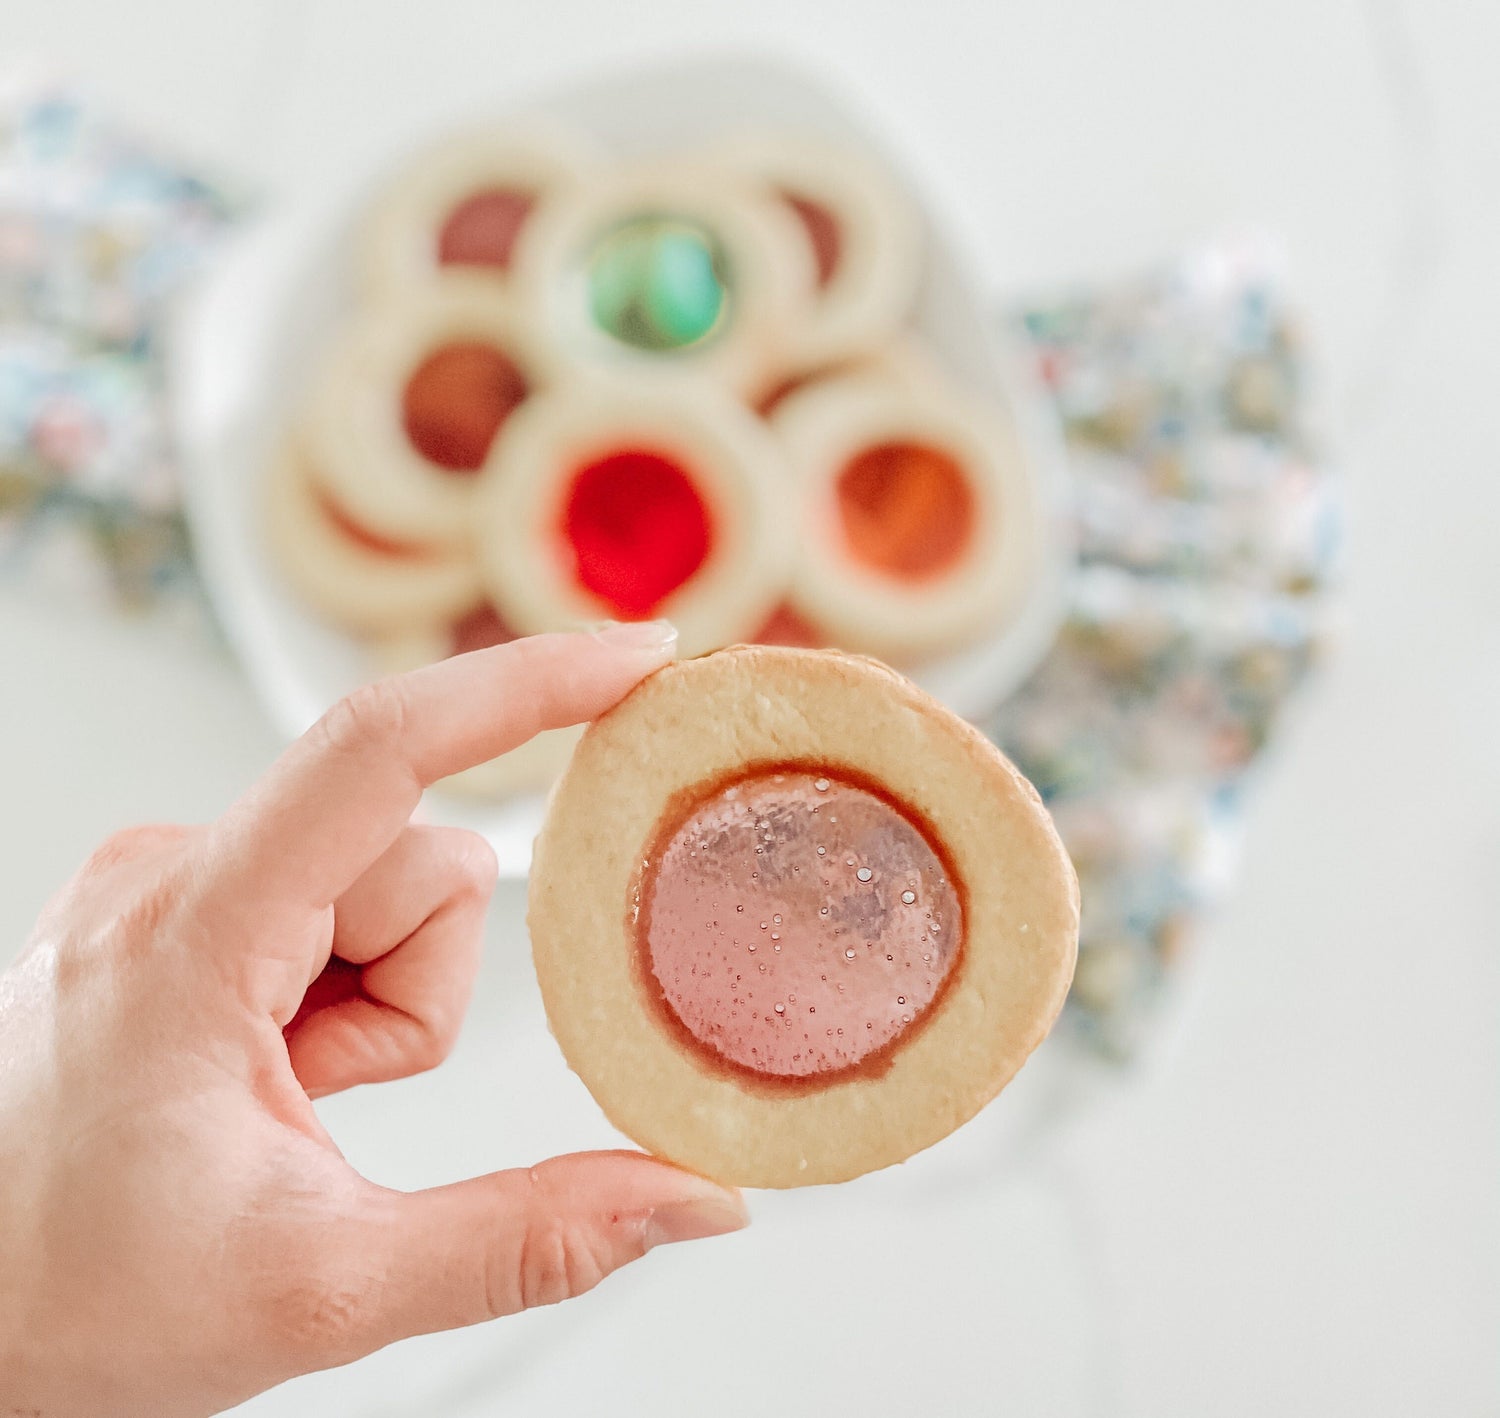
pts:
[1294, 1211]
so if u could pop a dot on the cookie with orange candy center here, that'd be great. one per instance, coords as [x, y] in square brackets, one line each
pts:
[919, 514]
[793, 920]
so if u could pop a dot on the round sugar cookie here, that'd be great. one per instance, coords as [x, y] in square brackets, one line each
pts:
[918, 515]
[350, 574]
[793, 920]
[411, 400]
[461, 204]
[607, 501]
[863, 228]
[661, 270]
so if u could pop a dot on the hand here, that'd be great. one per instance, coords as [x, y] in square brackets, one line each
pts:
[177, 1230]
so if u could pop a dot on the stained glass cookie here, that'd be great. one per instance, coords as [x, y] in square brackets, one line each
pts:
[663, 270]
[917, 515]
[607, 501]
[793, 920]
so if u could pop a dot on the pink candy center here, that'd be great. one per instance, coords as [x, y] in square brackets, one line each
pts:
[482, 229]
[798, 923]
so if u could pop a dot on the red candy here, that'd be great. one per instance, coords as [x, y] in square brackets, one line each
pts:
[636, 529]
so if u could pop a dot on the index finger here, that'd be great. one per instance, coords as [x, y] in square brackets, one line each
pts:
[338, 797]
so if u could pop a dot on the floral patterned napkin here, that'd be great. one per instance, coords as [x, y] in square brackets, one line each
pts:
[97, 232]
[1208, 535]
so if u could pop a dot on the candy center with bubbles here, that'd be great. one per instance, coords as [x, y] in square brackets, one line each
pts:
[797, 923]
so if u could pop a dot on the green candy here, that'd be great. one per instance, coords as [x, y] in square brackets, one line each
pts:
[655, 284]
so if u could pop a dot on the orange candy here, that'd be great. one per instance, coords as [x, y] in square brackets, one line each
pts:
[906, 509]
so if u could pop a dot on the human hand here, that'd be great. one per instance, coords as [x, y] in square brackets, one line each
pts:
[177, 1230]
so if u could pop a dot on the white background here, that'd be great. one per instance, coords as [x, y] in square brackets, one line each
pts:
[1294, 1209]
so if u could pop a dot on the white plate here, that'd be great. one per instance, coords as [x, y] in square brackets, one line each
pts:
[245, 343]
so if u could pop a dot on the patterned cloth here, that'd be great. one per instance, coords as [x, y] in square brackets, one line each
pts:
[96, 234]
[1208, 535]
[1207, 529]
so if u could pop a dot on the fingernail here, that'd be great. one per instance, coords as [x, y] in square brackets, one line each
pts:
[695, 1219]
[658, 635]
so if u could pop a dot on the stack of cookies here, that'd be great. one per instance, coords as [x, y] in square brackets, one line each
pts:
[574, 388]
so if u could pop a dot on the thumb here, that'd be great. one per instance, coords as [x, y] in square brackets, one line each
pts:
[476, 1250]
